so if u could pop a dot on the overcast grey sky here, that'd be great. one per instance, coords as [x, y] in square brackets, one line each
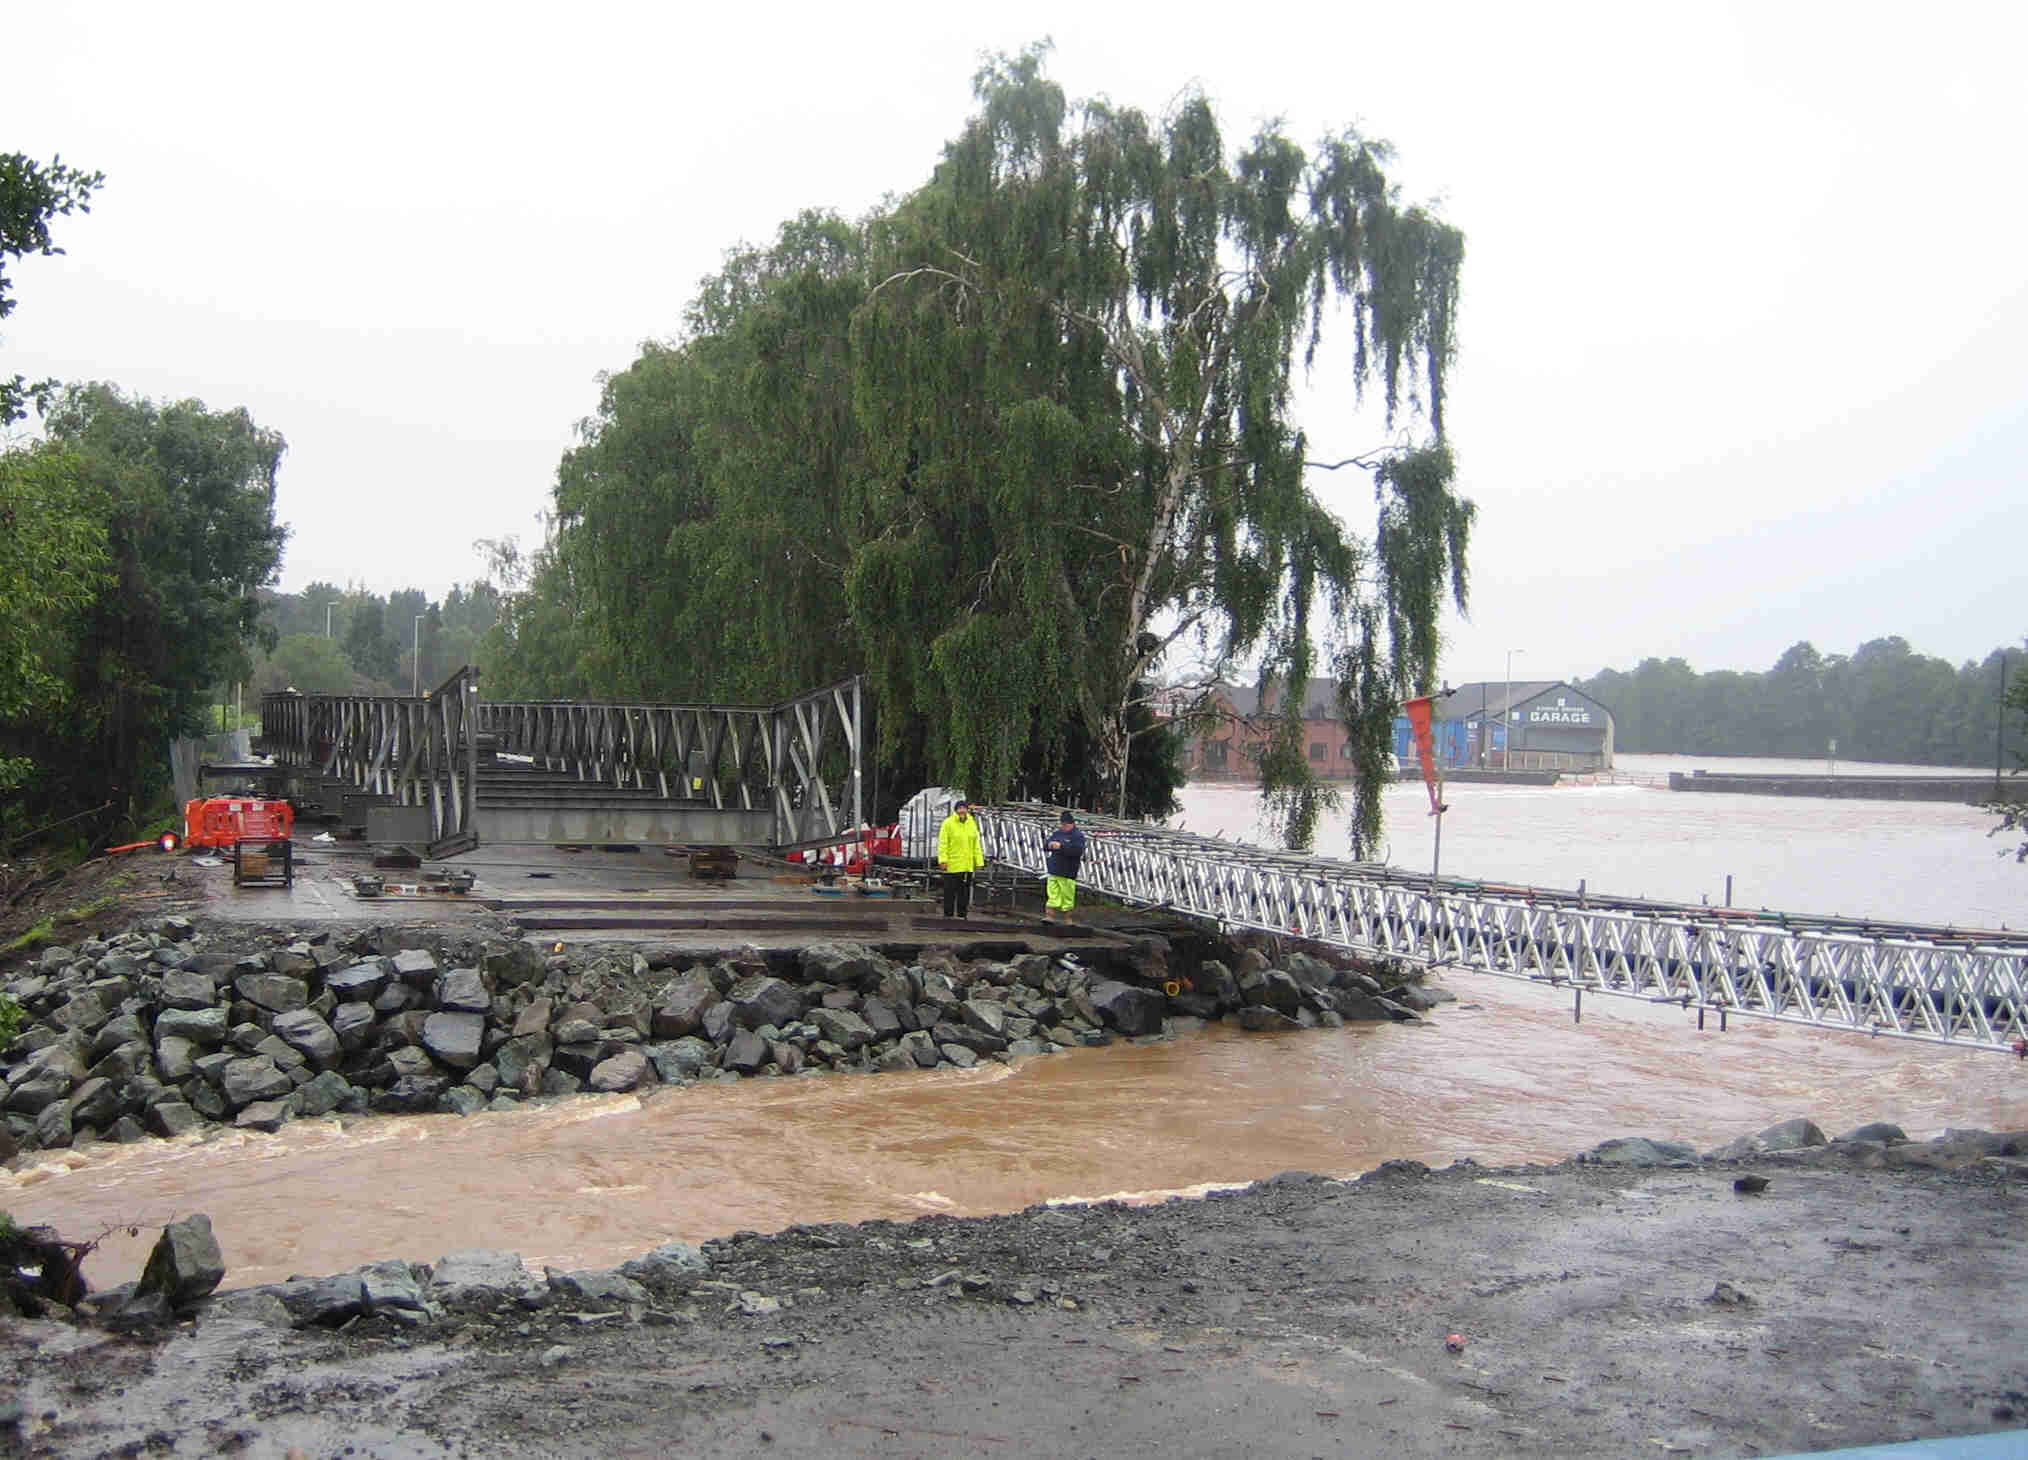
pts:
[1744, 322]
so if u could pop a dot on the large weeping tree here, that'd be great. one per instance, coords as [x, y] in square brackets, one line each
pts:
[1073, 378]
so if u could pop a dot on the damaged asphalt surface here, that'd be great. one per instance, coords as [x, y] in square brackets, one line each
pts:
[1867, 1295]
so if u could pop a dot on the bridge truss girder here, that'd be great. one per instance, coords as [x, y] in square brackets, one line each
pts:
[785, 775]
[1942, 986]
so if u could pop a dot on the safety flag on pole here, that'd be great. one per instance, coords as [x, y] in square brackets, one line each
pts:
[1420, 711]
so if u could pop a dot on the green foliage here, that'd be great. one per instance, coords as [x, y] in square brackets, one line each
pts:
[31, 194]
[26, 942]
[368, 644]
[53, 564]
[166, 514]
[1883, 702]
[1009, 442]
[12, 1018]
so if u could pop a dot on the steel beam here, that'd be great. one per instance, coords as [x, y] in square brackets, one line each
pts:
[783, 775]
[1934, 984]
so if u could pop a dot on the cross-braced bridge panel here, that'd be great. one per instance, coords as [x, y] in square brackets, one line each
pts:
[782, 775]
[1936, 984]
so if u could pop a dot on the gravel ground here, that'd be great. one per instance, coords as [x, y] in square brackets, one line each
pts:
[1865, 1296]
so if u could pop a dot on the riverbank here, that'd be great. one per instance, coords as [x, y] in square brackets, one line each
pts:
[176, 1024]
[1603, 1306]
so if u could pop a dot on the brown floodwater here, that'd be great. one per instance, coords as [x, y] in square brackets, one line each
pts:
[1505, 1077]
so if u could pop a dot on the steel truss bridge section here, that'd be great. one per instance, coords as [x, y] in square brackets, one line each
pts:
[781, 776]
[1937, 985]
[785, 776]
[390, 749]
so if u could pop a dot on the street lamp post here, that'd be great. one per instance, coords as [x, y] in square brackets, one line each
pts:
[1507, 714]
[2000, 727]
[327, 617]
[415, 653]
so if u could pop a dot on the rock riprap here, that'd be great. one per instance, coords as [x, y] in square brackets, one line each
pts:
[155, 1032]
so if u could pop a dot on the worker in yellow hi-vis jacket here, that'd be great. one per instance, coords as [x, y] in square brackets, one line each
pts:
[960, 853]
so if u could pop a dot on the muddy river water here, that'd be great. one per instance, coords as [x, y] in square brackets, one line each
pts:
[1503, 1076]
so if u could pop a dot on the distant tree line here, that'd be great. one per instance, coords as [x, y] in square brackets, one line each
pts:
[1882, 702]
[332, 640]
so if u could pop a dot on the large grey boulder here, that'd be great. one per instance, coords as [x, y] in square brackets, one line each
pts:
[455, 1039]
[1215, 981]
[1419, 997]
[463, 991]
[82, 1014]
[278, 993]
[416, 967]
[759, 999]
[746, 1053]
[116, 1031]
[324, 1302]
[1790, 1135]
[1310, 972]
[205, 1027]
[39, 1090]
[883, 1018]
[939, 992]
[842, 963]
[353, 1024]
[670, 1260]
[842, 1027]
[679, 1059]
[579, 1024]
[1260, 1019]
[54, 1128]
[513, 964]
[266, 1115]
[128, 1062]
[391, 1287]
[461, 1100]
[1274, 989]
[517, 1057]
[1641, 1151]
[533, 1018]
[721, 1022]
[683, 1007]
[467, 1281]
[624, 1071]
[255, 1078]
[985, 1016]
[1127, 1008]
[305, 1032]
[95, 1103]
[171, 1118]
[362, 983]
[326, 1093]
[921, 1046]
[185, 1264]
[176, 1058]
[410, 1095]
[1884, 1132]
[601, 1290]
[951, 1035]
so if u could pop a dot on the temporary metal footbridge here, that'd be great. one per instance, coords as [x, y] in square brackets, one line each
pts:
[1960, 987]
[445, 771]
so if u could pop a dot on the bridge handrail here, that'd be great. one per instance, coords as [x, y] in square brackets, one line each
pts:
[1947, 987]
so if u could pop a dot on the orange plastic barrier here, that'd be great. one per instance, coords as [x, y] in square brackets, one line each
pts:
[224, 821]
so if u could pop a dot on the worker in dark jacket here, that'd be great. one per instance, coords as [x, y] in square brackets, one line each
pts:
[1066, 852]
